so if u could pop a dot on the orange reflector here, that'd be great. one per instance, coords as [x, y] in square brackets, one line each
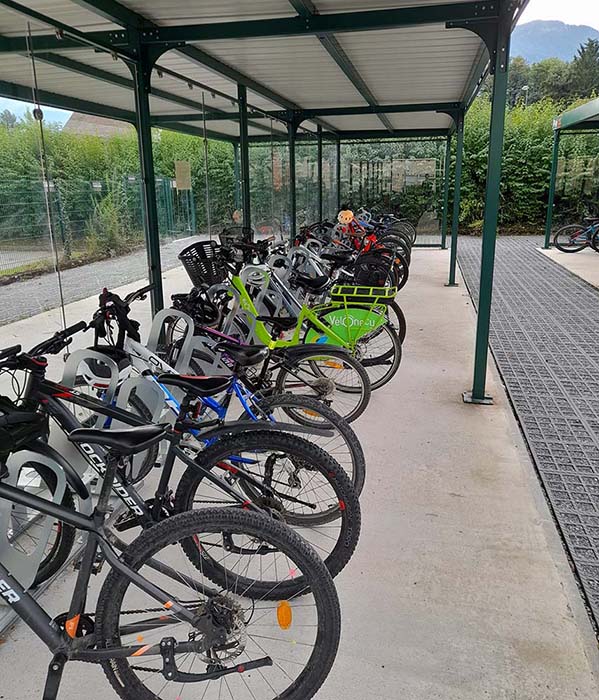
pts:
[310, 413]
[71, 626]
[334, 365]
[284, 615]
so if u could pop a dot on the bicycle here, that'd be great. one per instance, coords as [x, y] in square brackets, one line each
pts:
[151, 618]
[576, 237]
[350, 320]
[280, 473]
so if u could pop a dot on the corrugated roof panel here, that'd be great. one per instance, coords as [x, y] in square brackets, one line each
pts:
[17, 69]
[416, 64]
[175, 61]
[325, 6]
[190, 11]
[420, 120]
[299, 68]
[66, 11]
[350, 123]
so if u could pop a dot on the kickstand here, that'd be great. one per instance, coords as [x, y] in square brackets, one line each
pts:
[55, 670]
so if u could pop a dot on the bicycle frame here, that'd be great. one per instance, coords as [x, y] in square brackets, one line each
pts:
[377, 313]
[65, 645]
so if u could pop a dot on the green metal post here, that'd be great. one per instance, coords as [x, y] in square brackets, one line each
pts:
[549, 219]
[236, 176]
[291, 132]
[489, 236]
[142, 72]
[319, 169]
[457, 194]
[244, 149]
[446, 194]
[339, 174]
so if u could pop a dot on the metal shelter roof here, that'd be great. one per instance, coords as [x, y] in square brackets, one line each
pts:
[358, 68]
[580, 118]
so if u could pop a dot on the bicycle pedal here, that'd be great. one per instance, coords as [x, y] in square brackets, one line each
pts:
[126, 522]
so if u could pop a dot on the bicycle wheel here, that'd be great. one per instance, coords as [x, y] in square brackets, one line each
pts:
[380, 354]
[595, 241]
[401, 268]
[331, 375]
[311, 493]
[396, 318]
[277, 648]
[343, 446]
[27, 524]
[572, 238]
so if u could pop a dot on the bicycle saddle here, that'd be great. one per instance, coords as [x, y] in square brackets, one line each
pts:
[591, 220]
[244, 355]
[315, 284]
[283, 323]
[127, 441]
[200, 386]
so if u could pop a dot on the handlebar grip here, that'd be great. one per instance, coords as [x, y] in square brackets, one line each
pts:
[75, 328]
[9, 352]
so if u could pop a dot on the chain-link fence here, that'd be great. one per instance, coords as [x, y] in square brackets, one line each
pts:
[91, 220]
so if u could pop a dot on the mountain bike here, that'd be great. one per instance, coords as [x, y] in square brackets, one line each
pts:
[219, 355]
[576, 237]
[283, 475]
[161, 631]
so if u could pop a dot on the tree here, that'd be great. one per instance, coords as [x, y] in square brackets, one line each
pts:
[7, 119]
[550, 78]
[584, 73]
[519, 77]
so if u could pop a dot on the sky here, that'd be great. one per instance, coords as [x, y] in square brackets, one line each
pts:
[569, 11]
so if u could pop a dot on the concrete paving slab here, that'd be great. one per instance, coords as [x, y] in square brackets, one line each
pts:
[585, 263]
[459, 589]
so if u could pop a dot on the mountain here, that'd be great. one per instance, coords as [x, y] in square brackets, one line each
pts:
[548, 39]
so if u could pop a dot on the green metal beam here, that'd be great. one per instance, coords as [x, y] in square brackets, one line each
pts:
[194, 131]
[291, 133]
[211, 116]
[245, 156]
[338, 154]
[51, 99]
[457, 195]
[551, 198]
[319, 171]
[447, 169]
[111, 42]
[489, 236]
[373, 134]
[371, 109]
[141, 74]
[368, 20]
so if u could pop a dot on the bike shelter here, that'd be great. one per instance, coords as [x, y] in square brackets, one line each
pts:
[574, 164]
[288, 87]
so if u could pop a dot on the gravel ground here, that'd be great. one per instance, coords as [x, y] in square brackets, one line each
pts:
[32, 296]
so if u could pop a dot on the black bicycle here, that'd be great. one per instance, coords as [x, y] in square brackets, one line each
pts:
[245, 464]
[161, 628]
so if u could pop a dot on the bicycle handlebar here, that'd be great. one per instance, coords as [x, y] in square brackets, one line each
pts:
[138, 295]
[58, 341]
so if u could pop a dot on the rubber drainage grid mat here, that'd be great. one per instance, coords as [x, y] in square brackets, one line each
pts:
[544, 337]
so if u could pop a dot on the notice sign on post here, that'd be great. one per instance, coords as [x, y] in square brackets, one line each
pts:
[183, 174]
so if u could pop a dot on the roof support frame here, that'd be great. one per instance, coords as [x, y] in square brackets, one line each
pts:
[365, 20]
[306, 8]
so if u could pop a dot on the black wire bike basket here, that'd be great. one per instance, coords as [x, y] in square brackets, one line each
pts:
[203, 263]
